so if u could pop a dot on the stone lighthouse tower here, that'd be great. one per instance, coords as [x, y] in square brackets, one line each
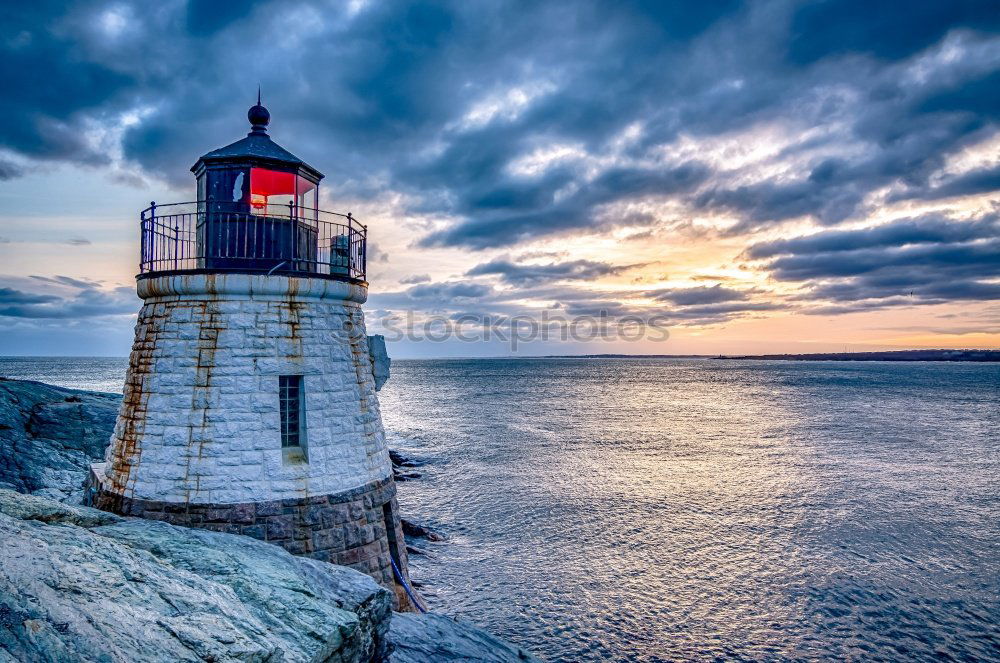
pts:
[250, 402]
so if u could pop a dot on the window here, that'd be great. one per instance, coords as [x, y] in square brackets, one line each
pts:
[291, 401]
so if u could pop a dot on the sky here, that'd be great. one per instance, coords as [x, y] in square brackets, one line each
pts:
[723, 177]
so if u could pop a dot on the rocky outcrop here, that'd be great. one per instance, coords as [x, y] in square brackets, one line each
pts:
[380, 360]
[78, 584]
[439, 639]
[401, 467]
[50, 435]
[416, 530]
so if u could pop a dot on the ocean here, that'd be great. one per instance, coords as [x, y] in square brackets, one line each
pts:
[671, 509]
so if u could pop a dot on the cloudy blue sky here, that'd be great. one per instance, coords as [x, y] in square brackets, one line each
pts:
[761, 175]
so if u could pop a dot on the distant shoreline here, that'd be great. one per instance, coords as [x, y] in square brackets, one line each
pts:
[888, 355]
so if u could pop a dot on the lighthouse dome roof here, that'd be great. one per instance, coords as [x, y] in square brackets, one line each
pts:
[257, 146]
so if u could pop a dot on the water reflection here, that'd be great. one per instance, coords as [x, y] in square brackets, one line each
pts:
[655, 510]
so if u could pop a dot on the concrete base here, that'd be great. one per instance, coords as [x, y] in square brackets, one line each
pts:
[358, 528]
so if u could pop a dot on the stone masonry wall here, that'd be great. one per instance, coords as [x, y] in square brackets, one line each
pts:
[349, 529]
[199, 422]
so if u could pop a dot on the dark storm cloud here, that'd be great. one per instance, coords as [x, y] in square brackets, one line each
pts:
[687, 316]
[973, 182]
[979, 95]
[88, 302]
[929, 260]
[382, 100]
[11, 297]
[972, 260]
[699, 296]
[67, 280]
[206, 17]
[449, 291]
[712, 313]
[883, 29]
[53, 79]
[697, 306]
[572, 270]
[929, 229]
[544, 215]
[911, 149]
[9, 170]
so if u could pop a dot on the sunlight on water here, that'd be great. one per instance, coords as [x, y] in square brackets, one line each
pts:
[654, 510]
[91, 373]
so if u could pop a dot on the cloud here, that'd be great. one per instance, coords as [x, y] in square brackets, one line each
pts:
[979, 259]
[449, 292]
[969, 183]
[717, 313]
[524, 274]
[9, 170]
[928, 229]
[206, 17]
[67, 280]
[927, 260]
[701, 295]
[978, 95]
[11, 297]
[415, 278]
[543, 214]
[86, 303]
[376, 254]
[840, 27]
[49, 121]
[78, 241]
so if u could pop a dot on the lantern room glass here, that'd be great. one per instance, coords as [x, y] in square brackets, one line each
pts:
[282, 193]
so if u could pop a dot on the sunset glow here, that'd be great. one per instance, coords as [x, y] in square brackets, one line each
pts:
[759, 176]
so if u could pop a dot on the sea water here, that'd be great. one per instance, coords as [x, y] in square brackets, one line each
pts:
[655, 510]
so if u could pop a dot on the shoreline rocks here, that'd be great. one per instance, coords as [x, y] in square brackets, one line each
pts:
[81, 584]
[78, 584]
[439, 639]
[49, 436]
[402, 467]
[416, 530]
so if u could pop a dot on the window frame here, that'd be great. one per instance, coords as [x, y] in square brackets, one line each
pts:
[292, 417]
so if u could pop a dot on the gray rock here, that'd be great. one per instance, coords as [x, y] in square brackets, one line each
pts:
[416, 530]
[50, 435]
[380, 359]
[78, 584]
[438, 639]
[45, 510]
[81, 585]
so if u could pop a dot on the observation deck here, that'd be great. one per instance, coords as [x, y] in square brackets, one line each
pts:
[248, 238]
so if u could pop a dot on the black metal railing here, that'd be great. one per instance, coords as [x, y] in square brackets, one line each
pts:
[241, 237]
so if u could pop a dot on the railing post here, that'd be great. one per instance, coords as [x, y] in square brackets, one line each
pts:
[295, 238]
[351, 267]
[142, 241]
[152, 231]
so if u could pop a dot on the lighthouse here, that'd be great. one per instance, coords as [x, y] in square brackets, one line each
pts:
[250, 400]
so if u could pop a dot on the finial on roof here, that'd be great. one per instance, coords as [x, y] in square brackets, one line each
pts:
[259, 117]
